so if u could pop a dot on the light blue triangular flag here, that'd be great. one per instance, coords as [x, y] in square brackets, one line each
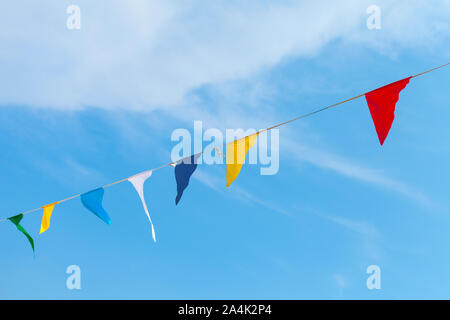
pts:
[92, 201]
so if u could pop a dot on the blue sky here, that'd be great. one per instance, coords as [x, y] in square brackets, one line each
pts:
[80, 109]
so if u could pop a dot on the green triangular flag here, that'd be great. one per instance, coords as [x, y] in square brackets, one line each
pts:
[16, 220]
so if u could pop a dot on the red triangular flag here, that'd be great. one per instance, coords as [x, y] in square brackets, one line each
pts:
[382, 106]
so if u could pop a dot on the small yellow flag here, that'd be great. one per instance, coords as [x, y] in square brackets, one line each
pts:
[236, 153]
[45, 224]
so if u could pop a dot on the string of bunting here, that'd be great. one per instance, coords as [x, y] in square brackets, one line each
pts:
[381, 102]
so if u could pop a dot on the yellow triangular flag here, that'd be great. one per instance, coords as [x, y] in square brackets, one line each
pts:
[236, 153]
[45, 224]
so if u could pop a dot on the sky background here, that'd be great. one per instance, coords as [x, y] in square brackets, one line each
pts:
[82, 108]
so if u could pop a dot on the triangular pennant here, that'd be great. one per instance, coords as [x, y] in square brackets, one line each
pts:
[382, 103]
[45, 223]
[16, 220]
[183, 172]
[92, 201]
[138, 183]
[236, 152]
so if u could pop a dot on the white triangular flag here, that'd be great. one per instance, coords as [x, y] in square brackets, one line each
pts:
[138, 182]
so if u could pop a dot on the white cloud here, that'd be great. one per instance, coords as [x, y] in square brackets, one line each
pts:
[144, 55]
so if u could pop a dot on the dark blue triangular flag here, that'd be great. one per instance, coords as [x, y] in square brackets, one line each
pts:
[92, 201]
[183, 172]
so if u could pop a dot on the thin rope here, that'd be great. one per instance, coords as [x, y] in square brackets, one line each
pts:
[220, 153]
[422, 73]
[266, 129]
[79, 194]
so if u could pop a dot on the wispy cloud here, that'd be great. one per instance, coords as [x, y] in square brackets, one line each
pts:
[68, 169]
[348, 168]
[357, 226]
[209, 180]
[218, 185]
[340, 280]
[363, 228]
[370, 239]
